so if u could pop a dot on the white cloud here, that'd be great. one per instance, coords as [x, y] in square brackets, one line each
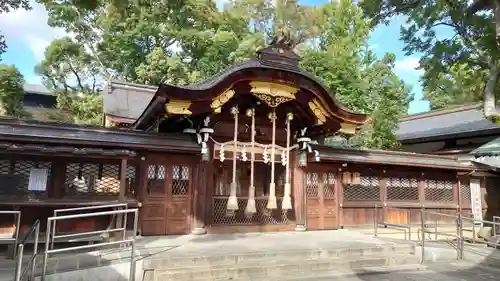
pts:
[408, 64]
[30, 27]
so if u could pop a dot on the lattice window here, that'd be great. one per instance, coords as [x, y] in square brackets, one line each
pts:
[156, 178]
[180, 179]
[131, 180]
[92, 179]
[367, 190]
[465, 193]
[438, 190]
[263, 216]
[402, 189]
[15, 177]
[329, 187]
[312, 184]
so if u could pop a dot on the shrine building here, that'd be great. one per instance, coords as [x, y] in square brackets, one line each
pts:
[240, 152]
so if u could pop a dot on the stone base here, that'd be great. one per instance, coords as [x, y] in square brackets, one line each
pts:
[199, 231]
[300, 228]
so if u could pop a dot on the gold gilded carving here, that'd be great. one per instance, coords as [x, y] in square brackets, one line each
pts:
[348, 128]
[273, 94]
[178, 107]
[220, 100]
[318, 111]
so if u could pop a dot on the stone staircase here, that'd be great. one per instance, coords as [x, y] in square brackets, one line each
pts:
[282, 265]
[337, 255]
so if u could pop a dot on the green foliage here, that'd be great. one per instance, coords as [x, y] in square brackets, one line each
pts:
[73, 75]
[456, 66]
[361, 82]
[11, 92]
[185, 41]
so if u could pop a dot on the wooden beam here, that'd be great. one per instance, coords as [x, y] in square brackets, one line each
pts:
[123, 178]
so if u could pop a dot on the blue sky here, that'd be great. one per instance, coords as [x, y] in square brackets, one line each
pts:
[27, 35]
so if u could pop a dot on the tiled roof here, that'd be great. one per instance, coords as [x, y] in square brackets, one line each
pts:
[127, 100]
[467, 119]
[370, 156]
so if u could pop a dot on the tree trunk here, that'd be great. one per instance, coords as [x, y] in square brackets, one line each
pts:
[490, 111]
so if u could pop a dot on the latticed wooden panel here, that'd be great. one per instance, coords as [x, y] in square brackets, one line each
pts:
[465, 194]
[438, 191]
[263, 216]
[92, 179]
[15, 176]
[131, 180]
[367, 190]
[312, 185]
[180, 179]
[329, 187]
[402, 189]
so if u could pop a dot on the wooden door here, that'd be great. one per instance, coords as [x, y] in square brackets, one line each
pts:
[179, 188]
[167, 200]
[322, 208]
[155, 200]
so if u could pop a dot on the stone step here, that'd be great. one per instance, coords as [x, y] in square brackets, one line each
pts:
[214, 259]
[456, 271]
[279, 268]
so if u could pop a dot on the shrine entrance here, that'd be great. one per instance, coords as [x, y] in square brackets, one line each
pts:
[322, 207]
[167, 198]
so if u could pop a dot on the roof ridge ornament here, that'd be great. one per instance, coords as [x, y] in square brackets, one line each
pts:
[280, 50]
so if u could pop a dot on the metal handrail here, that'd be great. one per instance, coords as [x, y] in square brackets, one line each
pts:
[35, 228]
[384, 224]
[88, 215]
[459, 236]
[67, 210]
[494, 223]
[17, 215]
[495, 220]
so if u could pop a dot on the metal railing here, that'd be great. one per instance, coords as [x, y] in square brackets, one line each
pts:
[459, 235]
[69, 210]
[124, 239]
[377, 224]
[496, 228]
[15, 239]
[19, 274]
[495, 223]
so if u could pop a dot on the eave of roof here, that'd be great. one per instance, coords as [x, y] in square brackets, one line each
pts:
[457, 122]
[397, 158]
[198, 91]
[57, 133]
[64, 150]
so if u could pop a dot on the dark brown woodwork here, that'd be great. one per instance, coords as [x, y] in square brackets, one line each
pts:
[298, 187]
[322, 206]
[165, 210]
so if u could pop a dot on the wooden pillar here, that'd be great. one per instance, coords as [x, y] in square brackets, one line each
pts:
[56, 188]
[299, 191]
[340, 198]
[456, 192]
[123, 179]
[200, 198]
[383, 179]
[421, 191]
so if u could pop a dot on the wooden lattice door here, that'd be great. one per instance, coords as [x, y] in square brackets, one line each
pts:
[322, 207]
[167, 203]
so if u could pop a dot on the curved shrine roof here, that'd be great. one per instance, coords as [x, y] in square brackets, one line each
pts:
[275, 65]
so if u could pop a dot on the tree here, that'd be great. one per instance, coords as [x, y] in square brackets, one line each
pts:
[181, 42]
[8, 6]
[361, 81]
[73, 75]
[11, 92]
[468, 57]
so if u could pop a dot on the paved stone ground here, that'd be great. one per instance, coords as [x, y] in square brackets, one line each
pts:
[189, 245]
